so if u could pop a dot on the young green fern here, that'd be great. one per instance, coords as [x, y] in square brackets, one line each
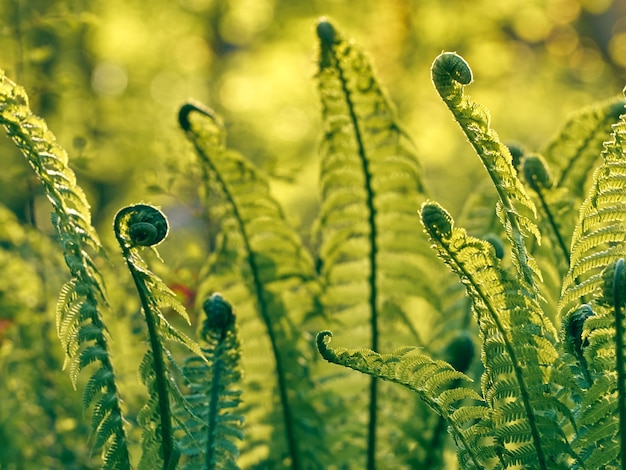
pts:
[599, 233]
[518, 350]
[262, 266]
[135, 227]
[574, 152]
[594, 332]
[371, 186]
[213, 391]
[450, 74]
[436, 382]
[80, 325]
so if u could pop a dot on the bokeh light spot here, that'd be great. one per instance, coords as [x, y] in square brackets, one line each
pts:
[563, 41]
[291, 124]
[531, 24]
[617, 49]
[109, 79]
[191, 53]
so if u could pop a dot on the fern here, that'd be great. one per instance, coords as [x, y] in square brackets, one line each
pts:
[518, 352]
[139, 226]
[573, 153]
[432, 380]
[594, 332]
[212, 391]
[371, 185]
[597, 237]
[80, 325]
[450, 73]
[262, 266]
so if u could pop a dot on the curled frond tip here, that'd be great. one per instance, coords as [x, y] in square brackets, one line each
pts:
[326, 32]
[141, 225]
[188, 108]
[451, 66]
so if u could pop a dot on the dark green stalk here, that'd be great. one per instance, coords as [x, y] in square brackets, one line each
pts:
[618, 283]
[214, 400]
[553, 225]
[373, 298]
[167, 436]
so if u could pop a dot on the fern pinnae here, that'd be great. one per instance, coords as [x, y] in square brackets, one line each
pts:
[274, 272]
[518, 344]
[573, 152]
[79, 321]
[600, 229]
[137, 226]
[371, 186]
[450, 74]
[429, 378]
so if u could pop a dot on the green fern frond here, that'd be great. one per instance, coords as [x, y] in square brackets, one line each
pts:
[600, 231]
[450, 74]
[518, 349]
[602, 415]
[434, 381]
[261, 266]
[80, 325]
[371, 260]
[139, 226]
[573, 152]
[213, 392]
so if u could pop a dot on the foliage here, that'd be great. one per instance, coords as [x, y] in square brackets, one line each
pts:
[540, 264]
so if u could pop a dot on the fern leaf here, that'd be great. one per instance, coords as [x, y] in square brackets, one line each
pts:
[263, 268]
[214, 396]
[371, 259]
[431, 380]
[573, 152]
[450, 74]
[518, 348]
[602, 416]
[600, 229]
[139, 226]
[82, 298]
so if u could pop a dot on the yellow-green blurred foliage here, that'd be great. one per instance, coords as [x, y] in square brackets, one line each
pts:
[109, 75]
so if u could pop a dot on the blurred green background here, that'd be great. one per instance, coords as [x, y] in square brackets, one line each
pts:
[109, 77]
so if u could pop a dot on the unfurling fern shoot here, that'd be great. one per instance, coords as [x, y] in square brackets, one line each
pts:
[214, 391]
[515, 209]
[139, 226]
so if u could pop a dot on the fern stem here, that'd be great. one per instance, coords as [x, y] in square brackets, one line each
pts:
[373, 297]
[216, 380]
[553, 225]
[618, 284]
[167, 436]
[159, 367]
